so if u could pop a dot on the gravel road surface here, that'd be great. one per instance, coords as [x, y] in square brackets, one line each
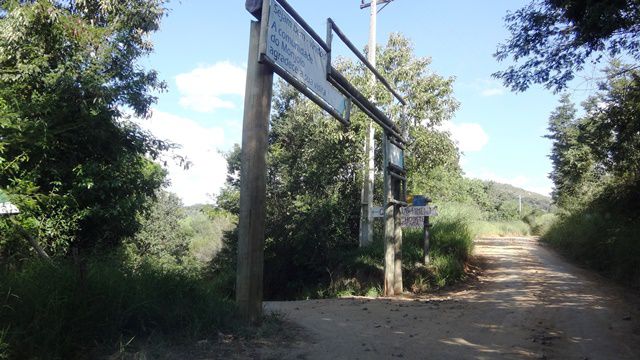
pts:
[528, 303]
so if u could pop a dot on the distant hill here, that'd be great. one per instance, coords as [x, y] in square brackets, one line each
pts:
[506, 192]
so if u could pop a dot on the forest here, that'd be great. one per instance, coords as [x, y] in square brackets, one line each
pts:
[102, 258]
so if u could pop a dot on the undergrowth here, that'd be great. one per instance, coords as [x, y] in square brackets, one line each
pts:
[602, 240]
[54, 311]
[361, 270]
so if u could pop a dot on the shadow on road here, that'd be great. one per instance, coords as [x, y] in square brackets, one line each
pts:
[528, 303]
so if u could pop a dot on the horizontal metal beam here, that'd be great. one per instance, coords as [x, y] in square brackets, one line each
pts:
[396, 169]
[396, 176]
[255, 7]
[364, 5]
[304, 24]
[340, 82]
[364, 60]
[397, 202]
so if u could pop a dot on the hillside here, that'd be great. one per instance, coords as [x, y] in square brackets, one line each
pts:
[506, 192]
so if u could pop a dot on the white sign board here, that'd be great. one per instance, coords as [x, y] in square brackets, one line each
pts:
[396, 155]
[417, 212]
[7, 208]
[290, 47]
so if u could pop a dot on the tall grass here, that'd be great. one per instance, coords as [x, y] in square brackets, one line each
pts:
[604, 241]
[360, 271]
[501, 228]
[49, 312]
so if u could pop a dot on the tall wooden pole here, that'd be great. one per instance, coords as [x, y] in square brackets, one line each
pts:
[389, 224]
[397, 241]
[366, 221]
[425, 240]
[253, 178]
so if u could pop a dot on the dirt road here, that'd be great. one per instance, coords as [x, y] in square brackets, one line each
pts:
[529, 303]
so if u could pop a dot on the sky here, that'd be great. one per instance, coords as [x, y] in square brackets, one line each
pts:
[201, 52]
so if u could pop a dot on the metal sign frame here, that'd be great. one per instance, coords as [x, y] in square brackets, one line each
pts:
[341, 83]
[259, 85]
[290, 78]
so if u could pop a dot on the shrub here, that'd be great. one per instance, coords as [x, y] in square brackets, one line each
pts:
[604, 241]
[52, 311]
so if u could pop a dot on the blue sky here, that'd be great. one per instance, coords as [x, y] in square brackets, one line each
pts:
[201, 52]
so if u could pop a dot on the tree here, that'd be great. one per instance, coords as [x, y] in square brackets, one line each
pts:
[571, 159]
[161, 235]
[552, 40]
[614, 124]
[229, 197]
[70, 156]
[314, 165]
[601, 149]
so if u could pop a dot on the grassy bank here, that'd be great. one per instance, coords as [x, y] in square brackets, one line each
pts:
[602, 240]
[360, 271]
[52, 312]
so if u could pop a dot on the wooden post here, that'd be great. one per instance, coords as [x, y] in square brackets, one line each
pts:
[397, 243]
[253, 176]
[389, 225]
[425, 234]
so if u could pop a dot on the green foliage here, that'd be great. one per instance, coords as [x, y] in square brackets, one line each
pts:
[359, 271]
[70, 158]
[314, 173]
[160, 235]
[575, 169]
[452, 233]
[205, 227]
[47, 313]
[603, 235]
[554, 39]
[596, 160]
[540, 223]
[177, 237]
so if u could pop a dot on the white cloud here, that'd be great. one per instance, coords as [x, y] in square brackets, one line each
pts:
[487, 87]
[200, 144]
[469, 136]
[202, 88]
[492, 91]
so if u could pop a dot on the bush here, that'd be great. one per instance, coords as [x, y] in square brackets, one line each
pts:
[55, 312]
[543, 223]
[604, 241]
[360, 270]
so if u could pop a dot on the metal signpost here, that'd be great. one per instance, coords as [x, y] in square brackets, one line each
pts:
[282, 42]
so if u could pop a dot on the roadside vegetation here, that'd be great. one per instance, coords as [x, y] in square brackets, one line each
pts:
[596, 160]
[596, 152]
[102, 260]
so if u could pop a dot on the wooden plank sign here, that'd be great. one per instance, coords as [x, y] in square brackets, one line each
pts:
[408, 212]
[7, 208]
